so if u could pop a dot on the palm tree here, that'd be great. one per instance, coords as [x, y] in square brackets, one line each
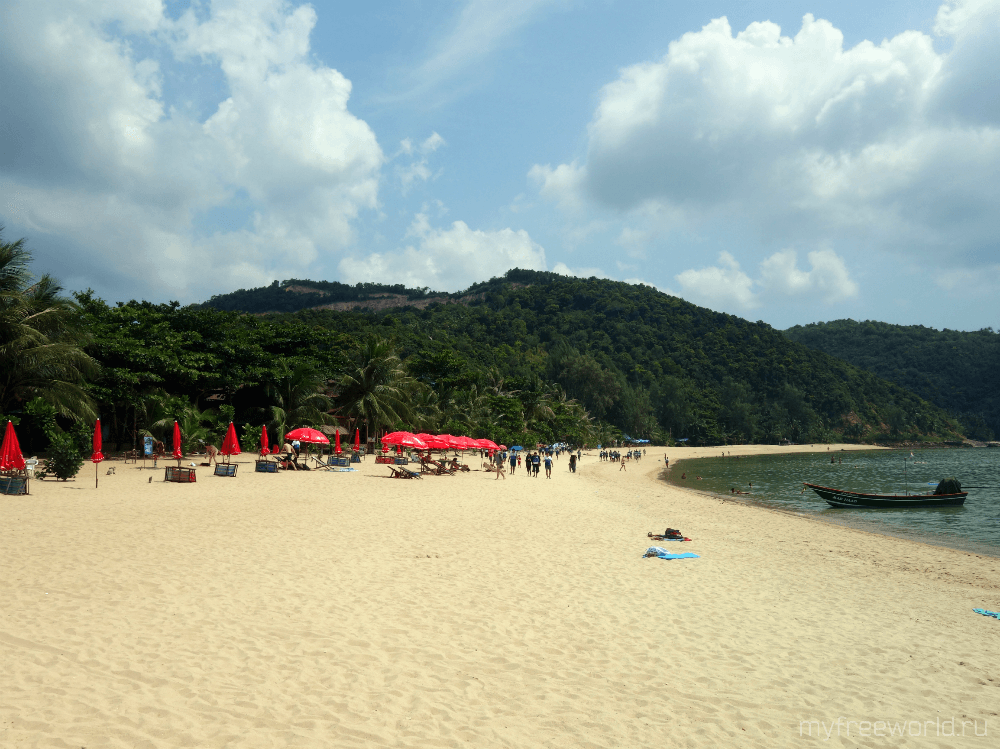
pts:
[41, 334]
[297, 398]
[376, 388]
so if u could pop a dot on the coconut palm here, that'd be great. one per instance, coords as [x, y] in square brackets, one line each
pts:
[376, 387]
[296, 397]
[41, 335]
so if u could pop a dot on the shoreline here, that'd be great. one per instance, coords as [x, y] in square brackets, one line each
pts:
[936, 541]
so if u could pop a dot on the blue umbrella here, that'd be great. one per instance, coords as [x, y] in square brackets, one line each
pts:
[516, 448]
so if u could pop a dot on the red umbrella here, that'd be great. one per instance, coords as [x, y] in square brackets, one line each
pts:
[97, 456]
[357, 440]
[336, 439]
[230, 445]
[308, 434]
[433, 442]
[177, 442]
[263, 440]
[10, 451]
[451, 441]
[405, 438]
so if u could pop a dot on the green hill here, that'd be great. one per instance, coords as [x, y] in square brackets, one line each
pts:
[530, 356]
[955, 370]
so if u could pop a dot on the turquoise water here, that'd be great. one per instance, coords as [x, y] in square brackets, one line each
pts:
[777, 482]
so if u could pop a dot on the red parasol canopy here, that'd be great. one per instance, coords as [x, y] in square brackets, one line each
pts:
[405, 438]
[433, 442]
[336, 448]
[468, 443]
[263, 440]
[97, 455]
[487, 444]
[10, 451]
[451, 441]
[357, 440]
[177, 441]
[308, 434]
[230, 445]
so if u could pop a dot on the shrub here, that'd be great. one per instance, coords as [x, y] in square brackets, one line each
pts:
[65, 457]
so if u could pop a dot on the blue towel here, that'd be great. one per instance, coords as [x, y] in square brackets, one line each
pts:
[984, 612]
[661, 553]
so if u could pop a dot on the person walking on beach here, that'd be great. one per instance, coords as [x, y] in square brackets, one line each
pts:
[572, 463]
[513, 462]
[548, 466]
[623, 465]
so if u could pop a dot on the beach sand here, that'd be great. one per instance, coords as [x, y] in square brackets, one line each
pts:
[330, 609]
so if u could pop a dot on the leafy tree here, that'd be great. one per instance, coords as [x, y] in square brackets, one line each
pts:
[41, 336]
[375, 387]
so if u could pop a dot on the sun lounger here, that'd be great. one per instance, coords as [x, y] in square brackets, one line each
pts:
[13, 485]
[403, 473]
[225, 469]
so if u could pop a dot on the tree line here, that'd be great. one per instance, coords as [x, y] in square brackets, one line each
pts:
[533, 357]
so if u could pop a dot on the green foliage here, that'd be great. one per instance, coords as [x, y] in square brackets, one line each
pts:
[954, 370]
[65, 457]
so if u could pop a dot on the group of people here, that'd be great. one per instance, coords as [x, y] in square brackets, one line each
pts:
[615, 456]
[533, 461]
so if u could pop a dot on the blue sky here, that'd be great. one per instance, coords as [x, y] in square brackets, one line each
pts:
[790, 162]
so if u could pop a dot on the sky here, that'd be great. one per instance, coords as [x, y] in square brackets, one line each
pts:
[790, 162]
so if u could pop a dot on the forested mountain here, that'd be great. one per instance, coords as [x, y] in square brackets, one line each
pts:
[645, 362]
[958, 371]
[530, 357]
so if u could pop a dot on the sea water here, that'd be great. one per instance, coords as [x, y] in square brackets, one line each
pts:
[777, 482]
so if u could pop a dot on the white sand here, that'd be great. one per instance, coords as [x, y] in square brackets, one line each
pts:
[349, 610]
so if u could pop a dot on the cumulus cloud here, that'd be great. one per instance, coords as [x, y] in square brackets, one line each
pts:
[103, 146]
[726, 286]
[447, 259]
[722, 286]
[802, 140]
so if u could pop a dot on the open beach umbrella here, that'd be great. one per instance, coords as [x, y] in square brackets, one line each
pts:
[433, 442]
[357, 440]
[404, 438]
[177, 442]
[308, 434]
[10, 451]
[230, 445]
[263, 440]
[97, 456]
[451, 441]
[336, 448]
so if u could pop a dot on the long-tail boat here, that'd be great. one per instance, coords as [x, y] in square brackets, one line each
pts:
[948, 494]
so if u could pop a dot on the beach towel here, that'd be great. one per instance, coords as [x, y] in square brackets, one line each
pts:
[984, 612]
[661, 553]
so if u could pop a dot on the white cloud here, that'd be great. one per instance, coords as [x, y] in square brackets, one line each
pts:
[447, 259]
[419, 168]
[102, 148]
[726, 286]
[891, 145]
[828, 277]
[722, 286]
[479, 30]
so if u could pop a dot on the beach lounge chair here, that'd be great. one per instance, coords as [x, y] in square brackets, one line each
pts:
[403, 473]
[225, 469]
[14, 484]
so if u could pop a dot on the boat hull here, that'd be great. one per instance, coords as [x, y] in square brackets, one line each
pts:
[843, 498]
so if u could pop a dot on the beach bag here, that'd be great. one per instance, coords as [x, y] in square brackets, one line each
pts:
[672, 533]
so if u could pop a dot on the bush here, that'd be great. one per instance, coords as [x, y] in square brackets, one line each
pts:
[65, 457]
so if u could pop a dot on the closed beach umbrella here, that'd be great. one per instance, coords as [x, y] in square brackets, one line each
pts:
[97, 456]
[177, 442]
[10, 451]
[263, 440]
[336, 439]
[357, 440]
[230, 445]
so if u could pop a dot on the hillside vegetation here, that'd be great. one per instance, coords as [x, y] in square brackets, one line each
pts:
[530, 357]
[955, 370]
